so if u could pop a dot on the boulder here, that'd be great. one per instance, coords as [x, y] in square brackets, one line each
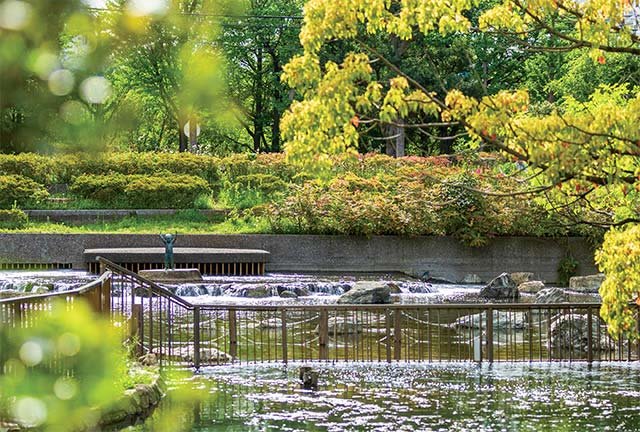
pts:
[299, 291]
[253, 291]
[288, 294]
[39, 289]
[342, 326]
[571, 332]
[521, 277]
[586, 284]
[149, 359]
[10, 293]
[208, 356]
[531, 287]
[552, 295]
[501, 288]
[271, 323]
[365, 292]
[472, 279]
[394, 288]
[501, 320]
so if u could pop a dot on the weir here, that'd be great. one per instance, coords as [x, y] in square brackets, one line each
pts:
[181, 333]
[210, 261]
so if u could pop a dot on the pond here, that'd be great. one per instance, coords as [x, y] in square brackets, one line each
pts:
[417, 397]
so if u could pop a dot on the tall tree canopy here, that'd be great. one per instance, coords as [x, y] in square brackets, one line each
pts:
[582, 148]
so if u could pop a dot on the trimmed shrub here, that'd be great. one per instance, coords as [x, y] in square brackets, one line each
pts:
[34, 166]
[170, 191]
[106, 189]
[20, 191]
[13, 219]
[154, 191]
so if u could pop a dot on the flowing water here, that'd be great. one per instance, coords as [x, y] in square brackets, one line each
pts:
[53, 280]
[417, 397]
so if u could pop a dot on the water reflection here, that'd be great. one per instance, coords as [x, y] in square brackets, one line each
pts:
[405, 397]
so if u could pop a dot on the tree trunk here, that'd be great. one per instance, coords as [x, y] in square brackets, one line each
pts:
[183, 139]
[395, 142]
[276, 113]
[258, 94]
[193, 135]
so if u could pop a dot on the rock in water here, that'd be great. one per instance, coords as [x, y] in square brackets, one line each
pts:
[552, 295]
[472, 278]
[586, 284]
[365, 292]
[501, 288]
[10, 293]
[531, 287]
[521, 277]
[308, 378]
[570, 332]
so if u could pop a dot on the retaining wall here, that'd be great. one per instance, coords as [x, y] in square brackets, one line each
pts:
[442, 257]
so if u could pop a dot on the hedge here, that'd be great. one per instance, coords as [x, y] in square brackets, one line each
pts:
[48, 170]
[163, 190]
[16, 190]
[13, 219]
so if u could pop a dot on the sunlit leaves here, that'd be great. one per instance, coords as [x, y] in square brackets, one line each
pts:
[619, 259]
[59, 369]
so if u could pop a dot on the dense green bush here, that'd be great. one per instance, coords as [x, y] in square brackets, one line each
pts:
[20, 191]
[65, 168]
[36, 167]
[155, 191]
[253, 190]
[412, 205]
[13, 219]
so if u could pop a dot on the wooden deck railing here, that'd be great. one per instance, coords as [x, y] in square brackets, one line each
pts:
[183, 333]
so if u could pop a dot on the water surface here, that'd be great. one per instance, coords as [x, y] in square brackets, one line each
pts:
[420, 397]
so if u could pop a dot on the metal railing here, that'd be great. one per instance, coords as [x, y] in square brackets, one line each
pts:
[182, 333]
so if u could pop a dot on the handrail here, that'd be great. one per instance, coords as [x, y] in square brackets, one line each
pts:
[81, 290]
[180, 332]
[155, 288]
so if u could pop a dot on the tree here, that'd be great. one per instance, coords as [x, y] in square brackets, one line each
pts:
[171, 66]
[256, 46]
[579, 150]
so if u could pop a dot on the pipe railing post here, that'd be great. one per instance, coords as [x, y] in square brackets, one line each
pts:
[589, 335]
[196, 337]
[387, 320]
[285, 353]
[233, 334]
[489, 313]
[105, 296]
[135, 326]
[397, 334]
[323, 334]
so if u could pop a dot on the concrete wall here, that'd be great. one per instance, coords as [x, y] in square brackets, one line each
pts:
[441, 256]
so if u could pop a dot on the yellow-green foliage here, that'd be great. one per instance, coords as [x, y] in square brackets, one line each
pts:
[413, 196]
[59, 368]
[141, 191]
[20, 191]
[64, 168]
[619, 259]
[13, 219]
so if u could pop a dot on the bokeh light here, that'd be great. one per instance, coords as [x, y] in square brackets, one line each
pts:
[61, 82]
[147, 7]
[31, 353]
[14, 14]
[95, 89]
[29, 411]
